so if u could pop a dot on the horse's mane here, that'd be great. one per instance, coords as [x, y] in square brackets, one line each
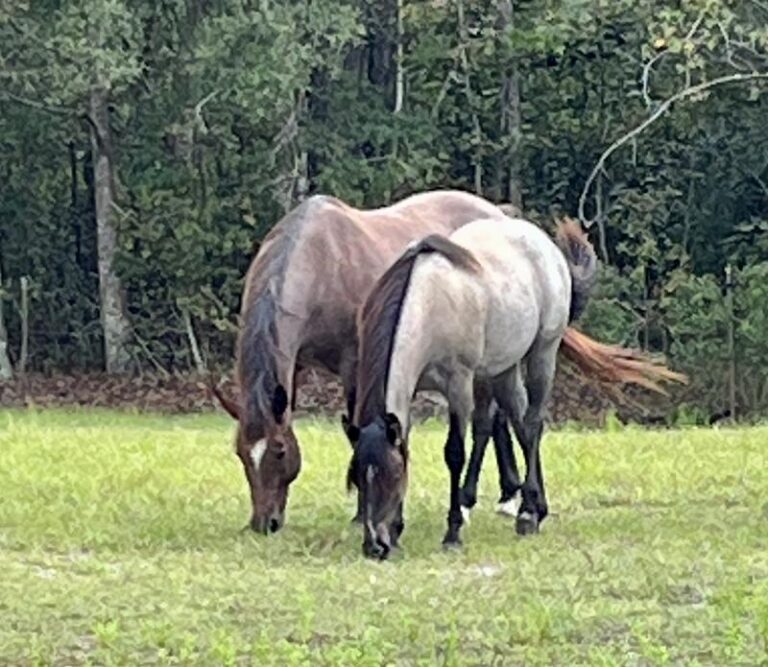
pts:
[258, 344]
[380, 315]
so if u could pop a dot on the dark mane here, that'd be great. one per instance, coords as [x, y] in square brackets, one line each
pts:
[258, 344]
[380, 315]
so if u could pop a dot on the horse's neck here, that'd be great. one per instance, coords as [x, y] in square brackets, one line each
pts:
[410, 355]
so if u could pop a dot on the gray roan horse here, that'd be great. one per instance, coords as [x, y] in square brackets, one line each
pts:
[299, 306]
[477, 317]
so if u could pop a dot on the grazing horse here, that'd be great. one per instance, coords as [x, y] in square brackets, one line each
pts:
[298, 309]
[479, 316]
[299, 305]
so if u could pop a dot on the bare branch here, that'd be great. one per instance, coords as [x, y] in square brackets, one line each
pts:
[452, 75]
[647, 74]
[649, 65]
[199, 106]
[290, 128]
[192, 339]
[41, 106]
[695, 26]
[660, 111]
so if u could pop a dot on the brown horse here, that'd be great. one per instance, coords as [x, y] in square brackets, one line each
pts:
[301, 296]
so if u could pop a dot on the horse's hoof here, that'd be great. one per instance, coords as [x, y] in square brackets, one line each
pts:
[527, 524]
[452, 545]
[376, 550]
[509, 507]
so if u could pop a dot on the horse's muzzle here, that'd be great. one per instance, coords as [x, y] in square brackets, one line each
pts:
[267, 524]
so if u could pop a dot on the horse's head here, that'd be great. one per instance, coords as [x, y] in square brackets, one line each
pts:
[271, 459]
[379, 469]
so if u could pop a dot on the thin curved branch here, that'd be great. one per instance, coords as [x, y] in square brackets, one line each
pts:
[647, 74]
[199, 106]
[660, 111]
[34, 104]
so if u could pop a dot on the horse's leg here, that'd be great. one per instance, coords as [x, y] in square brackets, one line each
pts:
[295, 387]
[348, 372]
[509, 477]
[482, 429]
[514, 398]
[397, 528]
[460, 405]
[541, 363]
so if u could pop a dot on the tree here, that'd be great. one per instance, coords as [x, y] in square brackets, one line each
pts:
[73, 60]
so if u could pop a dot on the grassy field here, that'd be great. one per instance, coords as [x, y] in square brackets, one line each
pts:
[121, 543]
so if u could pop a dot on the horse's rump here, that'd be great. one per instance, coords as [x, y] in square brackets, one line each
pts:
[380, 314]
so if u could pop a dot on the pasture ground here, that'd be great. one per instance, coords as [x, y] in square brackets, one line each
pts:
[121, 544]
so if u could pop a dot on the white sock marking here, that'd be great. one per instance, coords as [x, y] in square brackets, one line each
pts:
[465, 514]
[510, 507]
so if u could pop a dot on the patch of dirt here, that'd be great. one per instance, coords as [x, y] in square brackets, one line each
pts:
[319, 394]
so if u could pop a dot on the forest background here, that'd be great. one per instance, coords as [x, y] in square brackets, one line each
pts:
[147, 147]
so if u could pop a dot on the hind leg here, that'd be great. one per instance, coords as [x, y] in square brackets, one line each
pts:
[490, 421]
[541, 365]
[482, 429]
[509, 477]
[510, 392]
[528, 426]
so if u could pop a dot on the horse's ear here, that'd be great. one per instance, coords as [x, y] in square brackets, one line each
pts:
[352, 431]
[230, 406]
[279, 402]
[394, 429]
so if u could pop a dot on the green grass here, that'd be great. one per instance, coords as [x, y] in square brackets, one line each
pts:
[121, 544]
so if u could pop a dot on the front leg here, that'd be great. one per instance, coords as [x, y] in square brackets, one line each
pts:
[454, 459]
[348, 372]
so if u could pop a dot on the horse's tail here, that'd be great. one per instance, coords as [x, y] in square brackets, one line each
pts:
[615, 364]
[582, 262]
[379, 317]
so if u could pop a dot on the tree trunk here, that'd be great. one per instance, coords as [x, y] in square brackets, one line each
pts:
[511, 122]
[6, 370]
[114, 321]
[399, 74]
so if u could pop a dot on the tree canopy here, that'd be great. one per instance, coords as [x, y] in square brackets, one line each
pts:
[646, 119]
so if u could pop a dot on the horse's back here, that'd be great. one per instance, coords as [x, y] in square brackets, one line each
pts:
[522, 266]
[338, 251]
[525, 284]
[324, 256]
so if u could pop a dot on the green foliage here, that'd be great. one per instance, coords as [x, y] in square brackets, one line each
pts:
[122, 544]
[227, 114]
[696, 314]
